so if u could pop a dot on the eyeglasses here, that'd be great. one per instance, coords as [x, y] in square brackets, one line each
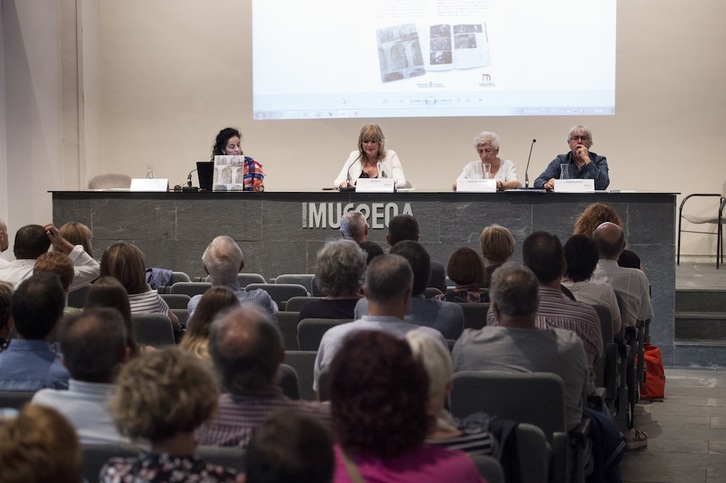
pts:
[581, 138]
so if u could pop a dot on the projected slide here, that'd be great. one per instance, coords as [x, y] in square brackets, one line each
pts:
[432, 58]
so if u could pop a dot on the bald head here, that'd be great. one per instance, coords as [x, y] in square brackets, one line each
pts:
[610, 240]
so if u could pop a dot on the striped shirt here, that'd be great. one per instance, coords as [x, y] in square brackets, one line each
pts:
[148, 303]
[557, 311]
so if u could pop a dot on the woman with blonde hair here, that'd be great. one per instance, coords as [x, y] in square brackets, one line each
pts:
[78, 234]
[497, 247]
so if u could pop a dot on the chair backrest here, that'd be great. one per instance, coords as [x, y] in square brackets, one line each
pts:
[77, 298]
[316, 290]
[294, 304]
[288, 382]
[15, 399]
[511, 395]
[280, 292]
[304, 364]
[489, 468]
[534, 454]
[606, 324]
[475, 315]
[96, 455]
[304, 279]
[245, 279]
[153, 329]
[182, 315]
[432, 292]
[310, 332]
[190, 288]
[179, 277]
[227, 456]
[176, 300]
[287, 322]
[324, 385]
[109, 181]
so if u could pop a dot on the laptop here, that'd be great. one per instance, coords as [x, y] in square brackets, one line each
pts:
[205, 171]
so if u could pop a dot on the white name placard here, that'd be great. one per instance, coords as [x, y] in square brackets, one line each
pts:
[574, 185]
[145, 184]
[374, 185]
[476, 185]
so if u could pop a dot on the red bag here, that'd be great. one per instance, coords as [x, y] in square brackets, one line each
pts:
[654, 387]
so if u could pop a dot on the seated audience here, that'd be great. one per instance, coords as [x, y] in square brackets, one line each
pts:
[446, 317]
[108, 292]
[497, 247]
[94, 347]
[223, 260]
[405, 227]
[372, 250]
[466, 269]
[389, 280]
[125, 262]
[447, 432]
[353, 226]
[61, 265]
[39, 446]
[6, 305]
[379, 400]
[290, 447]
[582, 256]
[30, 363]
[4, 242]
[247, 350]
[162, 397]
[214, 301]
[339, 275]
[78, 234]
[593, 216]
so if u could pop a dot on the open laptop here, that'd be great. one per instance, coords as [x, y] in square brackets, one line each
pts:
[205, 171]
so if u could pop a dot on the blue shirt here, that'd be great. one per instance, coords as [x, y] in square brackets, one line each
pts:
[258, 296]
[596, 169]
[30, 365]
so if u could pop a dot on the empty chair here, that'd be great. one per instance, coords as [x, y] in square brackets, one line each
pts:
[153, 329]
[110, 181]
[176, 300]
[179, 277]
[288, 382]
[16, 399]
[304, 364]
[475, 315]
[304, 279]
[310, 332]
[190, 288]
[294, 304]
[280, 292]
[287, 322]
[715, 218]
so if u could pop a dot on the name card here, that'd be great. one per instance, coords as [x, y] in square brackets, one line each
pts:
[574, 185]
[476, 185]
[375, 185]
[146, 184]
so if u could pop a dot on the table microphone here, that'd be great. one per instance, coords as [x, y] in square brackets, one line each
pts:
[189, 186]
[526, 170]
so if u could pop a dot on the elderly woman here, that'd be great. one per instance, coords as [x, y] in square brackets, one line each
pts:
[486, 144]
[339, 275]
[466, 269]
[229, 143]
[380, 405]
[371, 160]
[497, 247]
[214, 301]
[163, 397]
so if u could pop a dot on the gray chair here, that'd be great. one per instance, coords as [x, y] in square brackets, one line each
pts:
[190, 288]
[245, 279]
[716, 218]
[304, 364]
[288, 381]
[15, 399]
[489, 468]
[176, 300]
[432, 292]
[475, 315]
[606, 372]
[304, 279]
[77, 298]
[287, 322]
[179, 277]
[294, 304]
[182, 315]
[534, 454]
[280, 292]
[153, 329]
[310, 332]
[110, 181]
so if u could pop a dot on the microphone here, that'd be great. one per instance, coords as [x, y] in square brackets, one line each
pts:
[347, 176]
[526, 170]
[189, 186]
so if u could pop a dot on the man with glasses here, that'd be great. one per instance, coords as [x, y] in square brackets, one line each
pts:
[580, 162]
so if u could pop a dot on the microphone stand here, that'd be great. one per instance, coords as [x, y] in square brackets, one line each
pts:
[526, 170]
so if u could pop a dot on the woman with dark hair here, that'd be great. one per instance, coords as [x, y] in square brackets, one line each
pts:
[379, 401]
[108, 292]
[125, 262]
[214, 300]
[78, 234]
[466, 269]
[229, 143]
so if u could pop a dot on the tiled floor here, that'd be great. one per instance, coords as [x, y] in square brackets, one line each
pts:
[687, 431]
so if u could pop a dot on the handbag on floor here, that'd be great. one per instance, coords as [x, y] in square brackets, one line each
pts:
[654, 386]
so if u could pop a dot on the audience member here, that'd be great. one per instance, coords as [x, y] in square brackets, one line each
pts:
[290, 447]
[222, 261]
[94, 347]
[446, 317]
[4, 242]
[516, 343]
[29, 363]
[125, 262]
[78, 234]
[447, 432]
[61, 265]
[543, 254]
[466, 269]
[353, 226]
[162, 397]
[405, 227]
[497, 247]
[108, 292]
[31, 241]
[214, 301]
[389, 280]
[593, 216]
[379, 401]
[6, 323]
[581, 256]
[39, 445]
[630, 259]
[339, 273]
[372, 250]
[247, 350]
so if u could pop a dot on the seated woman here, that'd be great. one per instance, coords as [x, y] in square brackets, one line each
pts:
[593, 216]
[487, 145]
[497, 247]
[214, 301]
[471, 436]
[339, 275]
[371, 160]
[380, 406]
[229, 143]
[163, 397]
[466, 269]
[78, 234]
[125, 262]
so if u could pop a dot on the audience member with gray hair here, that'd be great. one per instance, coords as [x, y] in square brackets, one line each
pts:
[339, 273]
[486, 144]
[223, 260]
[353, 226]
[247, 350]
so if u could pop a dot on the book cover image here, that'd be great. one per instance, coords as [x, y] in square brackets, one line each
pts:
[399, 52]
[228, 173]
